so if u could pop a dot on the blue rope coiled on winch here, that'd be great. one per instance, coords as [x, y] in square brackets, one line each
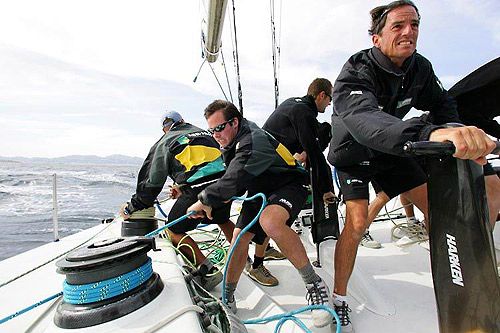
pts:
[102, 290]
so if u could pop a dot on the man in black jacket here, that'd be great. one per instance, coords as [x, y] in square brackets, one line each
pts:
[191, 158]
[256, 162]
[374, 91]
[478, 100]
[294, 124]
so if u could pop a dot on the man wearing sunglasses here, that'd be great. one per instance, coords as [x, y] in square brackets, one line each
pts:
[375, 89]
[191, 158]
[256, 162]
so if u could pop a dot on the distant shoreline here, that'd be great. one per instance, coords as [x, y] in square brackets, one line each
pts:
[77, 159]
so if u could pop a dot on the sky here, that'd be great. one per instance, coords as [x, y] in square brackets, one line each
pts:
[94, 77]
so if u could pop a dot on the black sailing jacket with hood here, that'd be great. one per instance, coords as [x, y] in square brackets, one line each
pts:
[372, 95]
[256, 162]
[187, 154]
[294, 124]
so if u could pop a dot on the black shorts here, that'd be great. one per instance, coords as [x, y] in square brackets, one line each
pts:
[190, 196]
[291, 197]
[488, 170]
[392, 174]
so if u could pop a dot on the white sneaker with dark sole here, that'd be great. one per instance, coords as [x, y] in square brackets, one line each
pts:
[368, 241]
[342, 311]
[318, 294]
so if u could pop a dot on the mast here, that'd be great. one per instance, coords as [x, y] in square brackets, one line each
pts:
[216, 14]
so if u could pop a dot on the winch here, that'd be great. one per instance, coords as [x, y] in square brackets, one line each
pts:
[106, 280]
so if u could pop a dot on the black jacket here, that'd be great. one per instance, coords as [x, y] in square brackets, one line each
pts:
[478, 98]
[187, 154]
[372, 95]
[294, 124]
[256, 162]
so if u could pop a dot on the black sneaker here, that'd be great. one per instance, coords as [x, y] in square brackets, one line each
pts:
[343, 313]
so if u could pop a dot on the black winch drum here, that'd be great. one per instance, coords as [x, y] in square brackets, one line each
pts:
[138, 227]
[101, 261]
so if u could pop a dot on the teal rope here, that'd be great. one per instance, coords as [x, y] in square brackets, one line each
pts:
[157, 203]
[72, 298]
[256, 218]
[102, 290]
[296, 320]
[31, 307]
[168, 225]
[292, 314]
[151, 234]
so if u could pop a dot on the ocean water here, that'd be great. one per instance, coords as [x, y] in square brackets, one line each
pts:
[86, 194]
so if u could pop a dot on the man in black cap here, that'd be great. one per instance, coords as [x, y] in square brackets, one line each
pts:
[191, 158]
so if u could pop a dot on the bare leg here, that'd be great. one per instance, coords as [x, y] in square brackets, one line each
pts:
[408, 206]
[273, 221]
[227, 228]
[198, 258]
[260, 249]
[376, 206]
[239, 257]
[347, 245]
[418, 196]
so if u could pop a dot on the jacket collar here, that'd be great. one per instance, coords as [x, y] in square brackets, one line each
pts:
[387, 65]
[311, 102]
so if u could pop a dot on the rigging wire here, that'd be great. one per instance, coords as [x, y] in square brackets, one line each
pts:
[236, 61]
[199, 70]
[218, 82]
[275, 54]
[227, 78]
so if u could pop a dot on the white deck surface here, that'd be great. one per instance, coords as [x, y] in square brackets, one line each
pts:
[390, 290]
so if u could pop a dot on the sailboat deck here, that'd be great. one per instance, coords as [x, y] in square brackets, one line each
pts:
[390, 290]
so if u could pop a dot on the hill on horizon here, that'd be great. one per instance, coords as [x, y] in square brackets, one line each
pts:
[78, 159]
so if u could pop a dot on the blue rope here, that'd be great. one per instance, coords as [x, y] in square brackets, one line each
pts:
[31, 307]
[291, 314]
[102, 290]
[160, 209]
[168, 225]
[296, 320]
[92, 294]
[256, 218]
[83, 294]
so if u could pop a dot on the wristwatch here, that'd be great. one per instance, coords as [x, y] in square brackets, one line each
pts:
[126, 210]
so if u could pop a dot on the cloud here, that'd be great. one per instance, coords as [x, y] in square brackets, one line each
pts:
[110, 68]
[51, 108]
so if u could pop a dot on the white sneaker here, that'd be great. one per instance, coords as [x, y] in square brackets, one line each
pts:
[368, 241]
[231, 305]
[414, 229]
[318, 294]
[342, 311]
[210, 280]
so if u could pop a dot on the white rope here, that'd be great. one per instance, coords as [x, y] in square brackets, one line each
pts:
[60, 255]
[173, 316]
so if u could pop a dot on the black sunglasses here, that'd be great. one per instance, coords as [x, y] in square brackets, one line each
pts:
[220, 127]
[327, 94]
